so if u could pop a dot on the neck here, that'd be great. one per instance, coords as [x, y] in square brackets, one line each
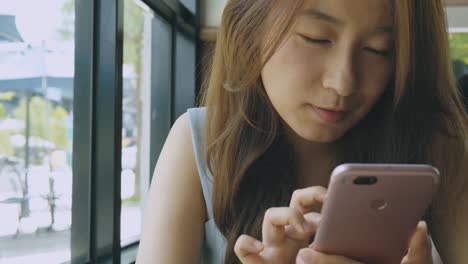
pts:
[314, 160]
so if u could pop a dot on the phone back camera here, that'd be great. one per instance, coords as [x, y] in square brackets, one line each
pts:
[365, 180]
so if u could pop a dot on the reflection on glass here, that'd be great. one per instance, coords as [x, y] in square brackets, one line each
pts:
[136, 103]
[36, 124]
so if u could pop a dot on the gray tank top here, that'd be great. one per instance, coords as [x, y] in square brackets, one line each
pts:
[214, 244]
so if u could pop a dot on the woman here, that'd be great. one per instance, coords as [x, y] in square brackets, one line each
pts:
[296, 88]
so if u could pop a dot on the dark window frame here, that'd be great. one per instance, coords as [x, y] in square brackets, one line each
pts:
[188, 24]
[96, 208]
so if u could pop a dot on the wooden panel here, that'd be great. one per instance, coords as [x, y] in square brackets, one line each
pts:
[209, 34]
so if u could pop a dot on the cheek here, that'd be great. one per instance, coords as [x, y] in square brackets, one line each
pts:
[375, 74]
[376, 83]
[290, 72]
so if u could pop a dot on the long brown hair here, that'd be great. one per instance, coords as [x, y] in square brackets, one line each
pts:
[251, 162]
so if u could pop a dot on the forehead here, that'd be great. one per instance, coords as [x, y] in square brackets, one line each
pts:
[367, 13]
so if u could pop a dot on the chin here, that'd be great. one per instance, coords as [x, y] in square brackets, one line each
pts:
[315, 132]
[319, 135]
[322, 139]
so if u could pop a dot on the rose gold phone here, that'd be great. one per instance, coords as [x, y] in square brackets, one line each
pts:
[371, 210]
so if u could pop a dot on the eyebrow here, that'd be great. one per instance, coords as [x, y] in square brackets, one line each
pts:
[319, 15]
[383, 29]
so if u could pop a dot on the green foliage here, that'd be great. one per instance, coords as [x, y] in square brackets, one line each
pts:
[5, 145]
[58, 127]
[135, 199]
[133, 34]
[67, 31]
[459, 46]
[20, 111]
[39, 117]
[45, 122]
[8, 96]
[2, 111]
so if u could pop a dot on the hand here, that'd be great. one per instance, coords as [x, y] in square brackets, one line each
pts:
[420, 247]
[420, 251]
[285, 230]
[311, 256]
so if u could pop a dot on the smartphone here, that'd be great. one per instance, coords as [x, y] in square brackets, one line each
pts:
[371, 210]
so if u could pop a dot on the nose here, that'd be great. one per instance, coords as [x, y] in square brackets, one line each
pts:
[340, 75]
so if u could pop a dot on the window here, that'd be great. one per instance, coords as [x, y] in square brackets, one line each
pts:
[185, 71]
[173, 4]
[36, 130]
[190, 4]
[136, 116]
[458, 36]
[459, 51]
[84, 112]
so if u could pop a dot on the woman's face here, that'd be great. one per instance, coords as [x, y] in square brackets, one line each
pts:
[333, 68]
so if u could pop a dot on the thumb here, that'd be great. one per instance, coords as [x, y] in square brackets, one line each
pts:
[420, 245]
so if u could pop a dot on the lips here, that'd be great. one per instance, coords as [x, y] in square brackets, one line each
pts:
[329, 115]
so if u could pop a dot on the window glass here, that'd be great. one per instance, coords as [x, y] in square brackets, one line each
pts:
[136, 116]
[459, 51]
[190, 4]
[36, 125]
[185, 74]
[458, 36]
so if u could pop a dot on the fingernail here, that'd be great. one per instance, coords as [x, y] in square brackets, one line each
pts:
[258, 245]
[299, 260]
[306, 254]
[423, 224]
[313, 218]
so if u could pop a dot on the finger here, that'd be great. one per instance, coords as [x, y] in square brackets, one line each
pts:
[275, 221]
[308, 255]
[248, 249]
[304, 199]
[312, 221]
[420, 246]
[420, 240]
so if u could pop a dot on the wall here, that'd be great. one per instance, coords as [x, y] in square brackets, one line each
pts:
[211, 11]
[458, 17]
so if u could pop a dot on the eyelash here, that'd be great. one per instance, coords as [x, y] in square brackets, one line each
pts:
[384, 53]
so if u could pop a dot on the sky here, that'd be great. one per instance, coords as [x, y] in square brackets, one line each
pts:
[36, 20]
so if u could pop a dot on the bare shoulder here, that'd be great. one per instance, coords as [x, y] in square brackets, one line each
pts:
[175, 210]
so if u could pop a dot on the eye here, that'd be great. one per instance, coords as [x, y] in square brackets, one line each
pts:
[384, 53]
[315, 41]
